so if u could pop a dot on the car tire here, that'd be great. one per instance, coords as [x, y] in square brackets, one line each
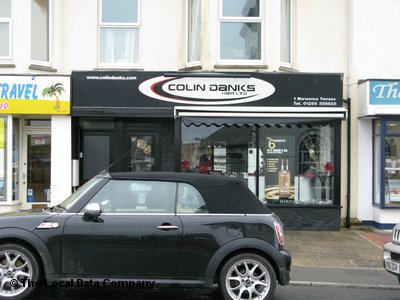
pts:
[17, 264]
[247, 276]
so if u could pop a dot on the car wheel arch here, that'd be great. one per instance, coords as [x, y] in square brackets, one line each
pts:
[247, 245]
[31, 242]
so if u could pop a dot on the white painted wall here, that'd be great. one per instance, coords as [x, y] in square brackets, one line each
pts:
[374, 55]
[61, 164]
[365, 165]
[321, 39]
[375, 42]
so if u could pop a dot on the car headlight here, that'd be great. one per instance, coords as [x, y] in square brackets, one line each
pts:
[396, 235]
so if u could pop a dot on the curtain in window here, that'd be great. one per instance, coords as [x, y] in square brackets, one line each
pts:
[194, 43]
[40, 30]
[119, 45]
[5, 39]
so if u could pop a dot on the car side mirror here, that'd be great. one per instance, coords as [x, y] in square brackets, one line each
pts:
[92, 210]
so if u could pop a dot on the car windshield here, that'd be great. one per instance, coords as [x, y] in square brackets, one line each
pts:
[69, 202]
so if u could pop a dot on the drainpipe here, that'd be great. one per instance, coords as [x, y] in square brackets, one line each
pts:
[348, 198]
[349, 65]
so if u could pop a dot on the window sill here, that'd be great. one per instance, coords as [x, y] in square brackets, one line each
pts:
[42, 68]
[9, 203]
[6, 66]
[256, 67]
[288, 69]
[118, 69]
[193, 68]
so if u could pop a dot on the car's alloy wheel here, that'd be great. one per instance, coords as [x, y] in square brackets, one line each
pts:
[17, 266]
[246, 277]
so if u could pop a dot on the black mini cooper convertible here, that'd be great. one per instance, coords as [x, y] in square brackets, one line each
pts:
[164, 229]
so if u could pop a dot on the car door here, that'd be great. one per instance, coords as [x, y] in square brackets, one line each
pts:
[136, 235]
[203, 232]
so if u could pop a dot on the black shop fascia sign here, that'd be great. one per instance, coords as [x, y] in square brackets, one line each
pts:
[155, 94]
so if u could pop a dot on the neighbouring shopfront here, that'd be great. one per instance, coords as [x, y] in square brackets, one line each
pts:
[35, 133]
[379, 165]
[280, 133]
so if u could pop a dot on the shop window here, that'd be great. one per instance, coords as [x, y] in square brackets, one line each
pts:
[293, 164]
[5, 29]
[387, 163]
[193, 32]
[3, 160]
[377, 162]
[119, 33]
[240, 30]
[40, 31]
[299, 164]
[220, 150]
[97, 124]
[37, 122]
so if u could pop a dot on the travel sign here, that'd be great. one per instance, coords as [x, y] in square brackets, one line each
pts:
[35, 95]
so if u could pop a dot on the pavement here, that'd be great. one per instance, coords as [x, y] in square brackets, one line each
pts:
[345, 258]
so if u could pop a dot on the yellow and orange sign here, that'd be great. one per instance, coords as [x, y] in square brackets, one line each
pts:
[35, 95]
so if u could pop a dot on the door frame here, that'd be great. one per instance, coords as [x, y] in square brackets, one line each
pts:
[24, 165]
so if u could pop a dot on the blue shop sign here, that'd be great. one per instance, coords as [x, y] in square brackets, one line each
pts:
[384, 92]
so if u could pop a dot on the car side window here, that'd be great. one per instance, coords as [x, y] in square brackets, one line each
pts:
[130, 196]
[189, 200]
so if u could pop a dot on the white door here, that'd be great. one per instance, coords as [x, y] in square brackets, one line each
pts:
[36, 166]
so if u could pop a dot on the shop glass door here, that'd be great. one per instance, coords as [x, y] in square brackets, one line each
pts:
[36, 167]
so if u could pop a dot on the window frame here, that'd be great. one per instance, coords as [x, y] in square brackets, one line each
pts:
[188, 62]
[9, 21]
[381, 172]
[288, 64]
[49, 41]
[260, 19]
[118, 25]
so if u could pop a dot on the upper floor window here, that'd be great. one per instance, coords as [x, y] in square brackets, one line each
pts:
[240, 30]
[193, 32]
[40, 31]
[119, 33]
[286, 36]
[5, 29]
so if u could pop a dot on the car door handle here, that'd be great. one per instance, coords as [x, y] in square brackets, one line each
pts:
[167, 227]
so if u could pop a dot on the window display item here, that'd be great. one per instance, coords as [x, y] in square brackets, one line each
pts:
[284, 179]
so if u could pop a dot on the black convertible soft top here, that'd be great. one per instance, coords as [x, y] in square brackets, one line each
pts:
[226, 195]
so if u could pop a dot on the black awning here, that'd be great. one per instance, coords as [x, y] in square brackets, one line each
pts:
[269, 122]
[260, 116]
